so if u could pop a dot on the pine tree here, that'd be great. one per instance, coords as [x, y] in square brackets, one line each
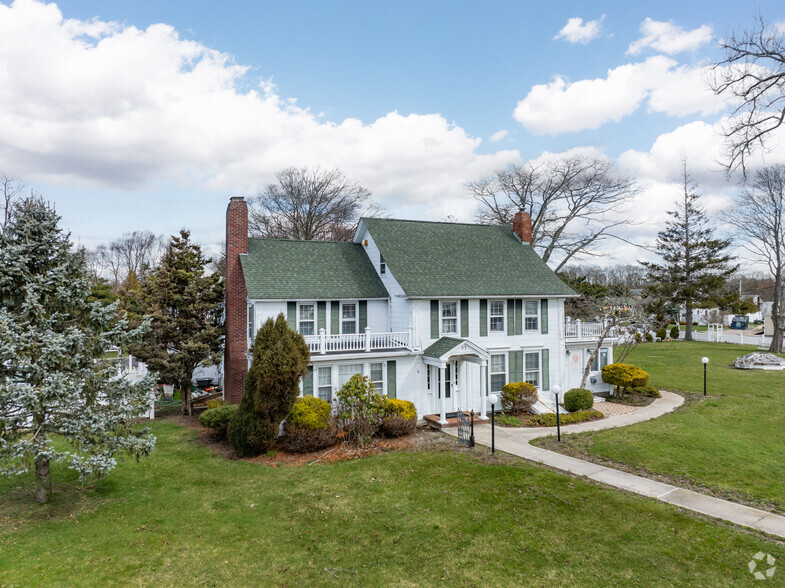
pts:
[693, 266]
[185, 306]
[54, 379]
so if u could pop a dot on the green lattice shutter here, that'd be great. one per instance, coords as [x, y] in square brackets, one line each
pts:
[483, 318]
[519, 317]
[363, 315]
[464, 318]
[546, 376]
[510, 317]
[335, 317]
[544, 317]
[434, 319]
[321, 315]
[391, 380]
[308, 382]
[291, 315]
[516, 366]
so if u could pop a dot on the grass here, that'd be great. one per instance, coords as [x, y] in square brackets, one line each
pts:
[695, 328]
[730, 444]
[186, 516]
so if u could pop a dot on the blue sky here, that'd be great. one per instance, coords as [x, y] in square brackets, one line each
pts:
[127, 124]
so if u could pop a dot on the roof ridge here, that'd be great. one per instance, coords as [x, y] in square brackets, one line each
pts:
[446, 223]
[299, 240]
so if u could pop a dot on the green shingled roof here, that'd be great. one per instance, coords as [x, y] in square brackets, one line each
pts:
[309, 270]
[441, 346]
[451, 259]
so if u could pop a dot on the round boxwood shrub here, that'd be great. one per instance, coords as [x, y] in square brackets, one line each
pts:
[578, 399]
[518, 397]
[309, 426]
[674, 332]
[648, 337]
[662, 333]
[400, 418]
[218, 418]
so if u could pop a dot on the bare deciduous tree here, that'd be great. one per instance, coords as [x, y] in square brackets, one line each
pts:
[759, 219]
[136, 252]
[572, 201]
[310, 204]
[11, 192]
[753, 74]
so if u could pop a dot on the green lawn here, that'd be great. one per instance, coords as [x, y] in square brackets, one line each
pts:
[186, 516]
[732, 444]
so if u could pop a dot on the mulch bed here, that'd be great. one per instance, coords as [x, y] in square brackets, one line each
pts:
[632, 400]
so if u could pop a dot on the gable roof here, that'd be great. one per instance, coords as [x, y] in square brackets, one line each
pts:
[442, 346]
[453, 259]
[284, 269]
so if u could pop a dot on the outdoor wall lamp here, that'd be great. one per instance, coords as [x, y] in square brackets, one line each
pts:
[705, 361]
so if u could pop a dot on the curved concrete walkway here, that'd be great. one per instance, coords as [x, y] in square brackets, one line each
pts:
[516, 442]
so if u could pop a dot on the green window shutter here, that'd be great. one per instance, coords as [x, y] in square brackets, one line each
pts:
[321, 315]
[511, 317]
[516, 366]
[363, 315]
[291, 315]
[434, 319]
[483, 318]
[464, 318]
[335, 318]
[546, 377]
[308, 382]
[544, 317]
[391, 380]
[519, 317]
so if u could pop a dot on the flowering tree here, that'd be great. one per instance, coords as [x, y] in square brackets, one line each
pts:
[54, 379]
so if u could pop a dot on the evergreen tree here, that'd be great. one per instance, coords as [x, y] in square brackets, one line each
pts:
[184, 305]
[694, 266]
[54, 379]
[280, 359]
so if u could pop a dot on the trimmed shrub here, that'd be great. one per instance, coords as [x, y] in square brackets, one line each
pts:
[662, 333]
[682, 323]
[218, 418]
[549, 419]
[648, 337]
[638, 338]
[647, 390]
[518, 397]
[303, 440]
[623, 376]
[309, 412]
[674, 332]
[309, 426]
[578, 399]
[359, 410]
[249, 434]
[507, 420]
[400, 418]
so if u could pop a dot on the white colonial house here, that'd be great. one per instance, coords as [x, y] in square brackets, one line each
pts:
[441, 314]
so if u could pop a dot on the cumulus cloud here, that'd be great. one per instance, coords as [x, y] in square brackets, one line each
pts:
[669, 38]
[498, 136]
[106, 104]
[577, 31]
[563, 106]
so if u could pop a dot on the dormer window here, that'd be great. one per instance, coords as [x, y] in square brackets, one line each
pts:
[382, 265]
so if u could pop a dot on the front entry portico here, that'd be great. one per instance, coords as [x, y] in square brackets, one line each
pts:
[452, 364]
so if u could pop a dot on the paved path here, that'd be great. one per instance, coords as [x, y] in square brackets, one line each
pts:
[516, 442]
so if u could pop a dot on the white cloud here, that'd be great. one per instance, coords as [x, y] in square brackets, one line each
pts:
[669, 38]
[498, 135]
[563, 106]
[108, 105]
[576, 31]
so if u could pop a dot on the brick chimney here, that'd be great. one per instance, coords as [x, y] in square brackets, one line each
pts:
[236, 342]
[522, 226]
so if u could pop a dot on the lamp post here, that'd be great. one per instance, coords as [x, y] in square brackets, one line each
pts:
[705, 361]
[557, 390]
[493, 399]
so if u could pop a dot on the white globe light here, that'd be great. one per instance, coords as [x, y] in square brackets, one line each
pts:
[556, 389]
[705, 360]
[493, 399]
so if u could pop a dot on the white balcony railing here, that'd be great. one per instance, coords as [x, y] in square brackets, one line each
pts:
[580, 330]
[359, 342]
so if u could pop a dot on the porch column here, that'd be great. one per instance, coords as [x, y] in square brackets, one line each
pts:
[484, 388]
[453, 386]
[443, 415]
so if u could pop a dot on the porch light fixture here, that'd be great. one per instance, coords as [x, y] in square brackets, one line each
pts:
[567, 351]
[493, 399]
[556, 389]
[705, 361]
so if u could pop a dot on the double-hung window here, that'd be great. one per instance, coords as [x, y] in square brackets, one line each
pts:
[532, 368]
[348, 318]
[531, 318]
[346, 371]
[450, 318]
[251, 321]
[600, 360]
[377, 377]
[498, 372]
[325, 388]
[496, 308]
[307, 319]
[382, 265]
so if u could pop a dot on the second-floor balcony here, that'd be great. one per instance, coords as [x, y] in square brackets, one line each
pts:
[366, 341]
[581, 330]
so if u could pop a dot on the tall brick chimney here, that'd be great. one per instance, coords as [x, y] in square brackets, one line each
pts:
[236, 342]
[522, 226]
